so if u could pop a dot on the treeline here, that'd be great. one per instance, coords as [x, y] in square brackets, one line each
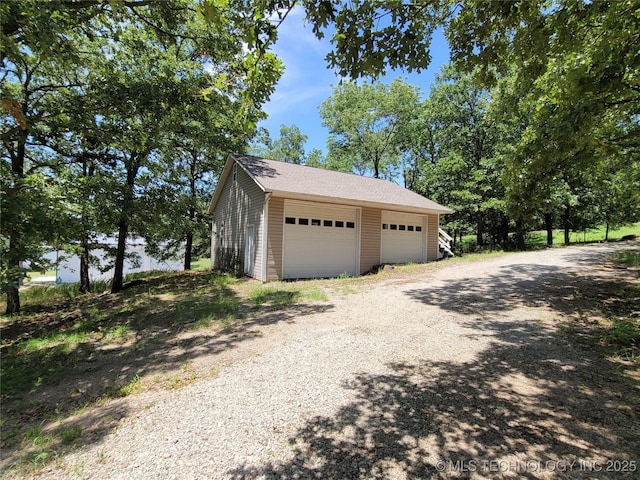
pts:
[464, 147]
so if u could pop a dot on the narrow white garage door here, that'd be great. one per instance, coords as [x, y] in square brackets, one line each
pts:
[319, 240]
[403, 238]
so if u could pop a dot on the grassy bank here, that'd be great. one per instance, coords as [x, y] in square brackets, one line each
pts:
[537, 239]
[586, 236]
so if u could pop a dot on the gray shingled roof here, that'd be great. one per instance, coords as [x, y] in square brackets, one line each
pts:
[282, 178]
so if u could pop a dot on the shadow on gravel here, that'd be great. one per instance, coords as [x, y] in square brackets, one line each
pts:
[570, 292]
[58, 367]
[525, 408]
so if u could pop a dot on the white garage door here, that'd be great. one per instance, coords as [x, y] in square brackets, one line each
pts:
[319, 240]
[403, 238]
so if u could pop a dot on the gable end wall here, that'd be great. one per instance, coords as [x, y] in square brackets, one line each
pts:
[241, 204]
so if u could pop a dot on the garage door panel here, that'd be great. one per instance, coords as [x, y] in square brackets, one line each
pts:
[321, 247]
[403, 238]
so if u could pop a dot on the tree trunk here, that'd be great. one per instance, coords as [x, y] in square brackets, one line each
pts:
[520, 235]
[548, 225]
[566, 224]
[606, 233]
[118, 272]
[88, 171]
[85, 282]
[505, 230]
[480, 229]
[13, 292]
[187, 250]
[123, 224]
[192, 213]
[15, 237]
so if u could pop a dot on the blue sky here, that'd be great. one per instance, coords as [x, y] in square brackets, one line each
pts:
[307, 81]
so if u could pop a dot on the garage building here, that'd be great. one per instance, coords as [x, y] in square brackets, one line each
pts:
[276, 220]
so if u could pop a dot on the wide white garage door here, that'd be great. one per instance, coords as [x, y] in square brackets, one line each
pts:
[319, 240]
[403, 238]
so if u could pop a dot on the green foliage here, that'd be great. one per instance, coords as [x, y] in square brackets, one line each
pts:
[109, 110]
[567, 74]
[456, 159]
[624, 332]
[371, 36]
[289, 147]
[366, 124]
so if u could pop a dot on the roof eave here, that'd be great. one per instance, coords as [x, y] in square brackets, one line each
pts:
[360, 203]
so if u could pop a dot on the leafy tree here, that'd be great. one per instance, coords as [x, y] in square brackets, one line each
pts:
[99, 51]
[316, 159]
[35, 83]
[289, 147]
[457, 149]
[366, 125]
[575, 80]
[195, 148]
[155, 80]
[369, 36]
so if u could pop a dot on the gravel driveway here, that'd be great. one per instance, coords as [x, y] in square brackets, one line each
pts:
[457, 373]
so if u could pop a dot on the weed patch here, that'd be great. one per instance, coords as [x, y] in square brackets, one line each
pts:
[274, 296]
[186, 376]
[118, 333]
[134, 386]
[623, 335]
[628, 258]
[70, 434]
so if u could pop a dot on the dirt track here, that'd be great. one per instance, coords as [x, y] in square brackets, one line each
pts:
[461, 372]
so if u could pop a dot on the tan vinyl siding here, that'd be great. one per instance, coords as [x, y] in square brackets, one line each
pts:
[275, 219]
[241, 204]
[370, 239]
[432, 237]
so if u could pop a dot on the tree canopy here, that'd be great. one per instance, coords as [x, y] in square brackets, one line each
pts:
[93, 94]
[366, 124]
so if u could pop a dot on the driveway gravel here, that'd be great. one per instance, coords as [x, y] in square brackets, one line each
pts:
[460, 372]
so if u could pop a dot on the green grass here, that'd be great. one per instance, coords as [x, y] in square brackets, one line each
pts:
[42, 359]
[315, 294]
[55, 294]
[41, 273]
[36, 437]
[134, 386]
[203, 263]
[274, 295]
[285, 294]
[588, 236]
[117, 333]
[539, 238]
[40, 446]
[623, 332]
[70, 434]
[630, 258]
